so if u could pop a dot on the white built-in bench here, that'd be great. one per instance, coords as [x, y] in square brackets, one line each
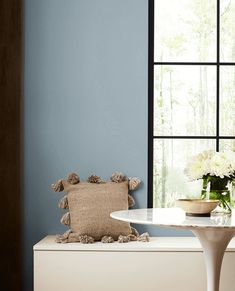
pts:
[163, 264]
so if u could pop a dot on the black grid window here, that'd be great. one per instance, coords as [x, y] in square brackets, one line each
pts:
[155, 134]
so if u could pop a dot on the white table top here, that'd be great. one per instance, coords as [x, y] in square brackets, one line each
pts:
[175, 217]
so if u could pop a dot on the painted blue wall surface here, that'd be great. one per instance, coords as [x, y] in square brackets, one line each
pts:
[85, 103]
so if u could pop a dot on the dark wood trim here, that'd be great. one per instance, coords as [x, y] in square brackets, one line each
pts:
[10, 142]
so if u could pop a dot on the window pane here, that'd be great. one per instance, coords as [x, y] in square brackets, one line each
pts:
[227, 100]
[227, 144]
[184, 100]
[227, 28]
[185, 30]
[169, 180]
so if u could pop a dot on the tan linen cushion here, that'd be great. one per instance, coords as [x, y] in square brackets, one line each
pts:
[90, 206]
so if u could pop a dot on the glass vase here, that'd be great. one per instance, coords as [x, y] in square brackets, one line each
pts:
[218, 188]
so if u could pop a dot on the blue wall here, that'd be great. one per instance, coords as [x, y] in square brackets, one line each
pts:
[85, 102]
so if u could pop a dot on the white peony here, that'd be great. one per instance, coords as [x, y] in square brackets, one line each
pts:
[220, 164]
[198, 166]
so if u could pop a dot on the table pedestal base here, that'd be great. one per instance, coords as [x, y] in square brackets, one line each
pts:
[214, 243]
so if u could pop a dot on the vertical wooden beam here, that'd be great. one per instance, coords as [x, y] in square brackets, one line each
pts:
[10, 142]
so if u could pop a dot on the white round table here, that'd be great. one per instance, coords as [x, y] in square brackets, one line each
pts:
[214, 233]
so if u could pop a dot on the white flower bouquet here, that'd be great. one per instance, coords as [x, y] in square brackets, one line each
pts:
[217, 170]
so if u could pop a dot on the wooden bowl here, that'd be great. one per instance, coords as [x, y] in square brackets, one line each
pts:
[197, 207]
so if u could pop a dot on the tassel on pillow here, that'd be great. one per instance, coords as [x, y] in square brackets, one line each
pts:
[94, 179]
[144, 237]
[58, 186]
[73, 178]
[131, 201]
[118, 177]
[107, 239]
[63, 203]
[65, 219]
[134, 183]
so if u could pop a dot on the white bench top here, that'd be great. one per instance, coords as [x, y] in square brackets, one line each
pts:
[156, 244]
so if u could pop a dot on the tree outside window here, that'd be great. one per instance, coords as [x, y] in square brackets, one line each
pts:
[192, 74]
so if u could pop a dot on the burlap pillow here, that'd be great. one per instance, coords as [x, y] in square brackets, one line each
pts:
[90, 204]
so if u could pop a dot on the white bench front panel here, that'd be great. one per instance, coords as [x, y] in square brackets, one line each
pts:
[76, 267]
